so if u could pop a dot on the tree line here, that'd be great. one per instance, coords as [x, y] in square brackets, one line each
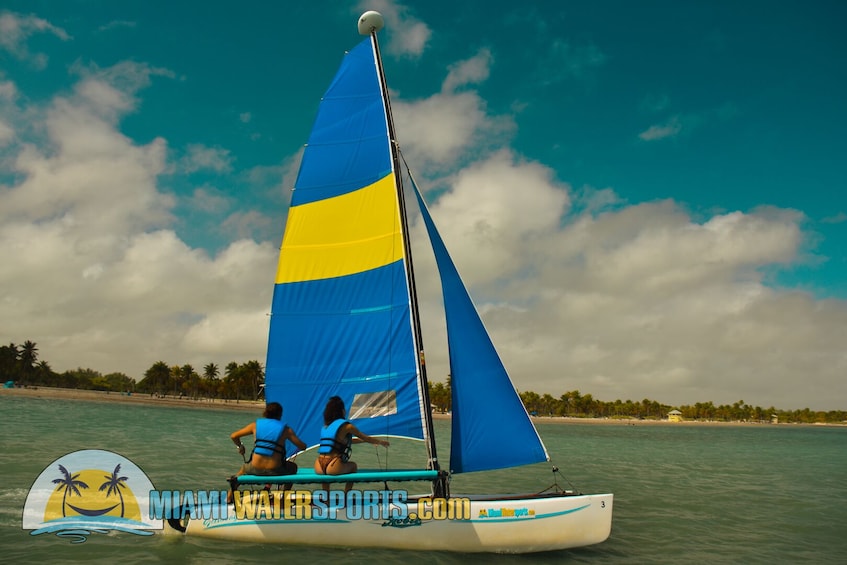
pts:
[245, 381]
[578, 405]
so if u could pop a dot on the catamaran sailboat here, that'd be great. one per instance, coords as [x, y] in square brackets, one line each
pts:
[345, 322]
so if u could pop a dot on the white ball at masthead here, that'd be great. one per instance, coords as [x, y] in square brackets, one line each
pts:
[370, 21]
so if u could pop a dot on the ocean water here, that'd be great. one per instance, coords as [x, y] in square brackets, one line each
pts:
[687, 493]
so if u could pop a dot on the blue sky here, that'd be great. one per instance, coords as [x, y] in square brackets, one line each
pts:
[646, 198]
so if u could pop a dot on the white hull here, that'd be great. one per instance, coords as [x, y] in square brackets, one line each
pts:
[510, 524]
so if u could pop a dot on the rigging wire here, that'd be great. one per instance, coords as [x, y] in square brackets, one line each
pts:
[555, 486]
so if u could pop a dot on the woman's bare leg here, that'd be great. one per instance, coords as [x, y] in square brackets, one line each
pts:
[338, 467]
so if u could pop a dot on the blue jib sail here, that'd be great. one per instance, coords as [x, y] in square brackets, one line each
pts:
[491, 429]
[341, 322]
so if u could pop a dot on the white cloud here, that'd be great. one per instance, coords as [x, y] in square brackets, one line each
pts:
[579, 289]
[111, 92]
[250, 224]
[200, 157]
[6, 133]
[117, 25]
[471, 71]
[16, 29]
[8, 90]
[642, 301]
[838, 218]
[669, 129]
[407, 35]
[633, 301]
[94, 180]
[622, 301]
[438, 131]
[495, 210]
[230, 330]
[93, 273]
[208, 200]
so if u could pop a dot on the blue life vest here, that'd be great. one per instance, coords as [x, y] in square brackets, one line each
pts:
[330, 444]
[268, 432]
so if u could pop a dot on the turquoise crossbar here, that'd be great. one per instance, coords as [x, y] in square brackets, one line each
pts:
[365, 476]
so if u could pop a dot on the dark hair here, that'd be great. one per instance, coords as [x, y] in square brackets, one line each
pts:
[334, 410]
[273, 410]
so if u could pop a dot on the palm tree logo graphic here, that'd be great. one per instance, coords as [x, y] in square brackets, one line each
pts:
[113, 485]
[71, 485]
[90, 490]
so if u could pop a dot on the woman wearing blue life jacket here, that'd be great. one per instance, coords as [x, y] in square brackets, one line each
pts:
[337, 435]
[268, 457]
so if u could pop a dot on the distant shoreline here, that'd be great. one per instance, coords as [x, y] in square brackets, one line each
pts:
[54, 393]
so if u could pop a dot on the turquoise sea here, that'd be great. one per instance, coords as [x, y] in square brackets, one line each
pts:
[683, 493]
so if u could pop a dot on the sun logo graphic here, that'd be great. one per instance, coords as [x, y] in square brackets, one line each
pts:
[90, 491]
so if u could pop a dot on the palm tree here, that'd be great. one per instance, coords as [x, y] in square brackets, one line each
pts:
[70, 484]
[438, 396]
[190, 379]
[232, 379]
[28, 359]
[211, 371]
[114, 484]
[9, 356]
[210, 374]
[531, 401]
[29, 353]
[548, 403]
[156, 378]
[176, 377]
[254, 375]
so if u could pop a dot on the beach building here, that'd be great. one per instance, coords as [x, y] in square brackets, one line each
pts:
[674, 416]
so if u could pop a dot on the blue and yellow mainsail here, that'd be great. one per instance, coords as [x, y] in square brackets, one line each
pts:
[343, 320]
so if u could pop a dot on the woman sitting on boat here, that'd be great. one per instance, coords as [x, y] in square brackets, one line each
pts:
[268, 457]
[337, 436]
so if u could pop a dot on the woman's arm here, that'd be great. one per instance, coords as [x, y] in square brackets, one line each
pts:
[365, 437]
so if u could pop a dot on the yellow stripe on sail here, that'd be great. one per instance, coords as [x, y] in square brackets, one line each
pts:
[348, 234]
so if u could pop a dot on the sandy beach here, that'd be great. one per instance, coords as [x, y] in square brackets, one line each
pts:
[135, 398]
[257, 406]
